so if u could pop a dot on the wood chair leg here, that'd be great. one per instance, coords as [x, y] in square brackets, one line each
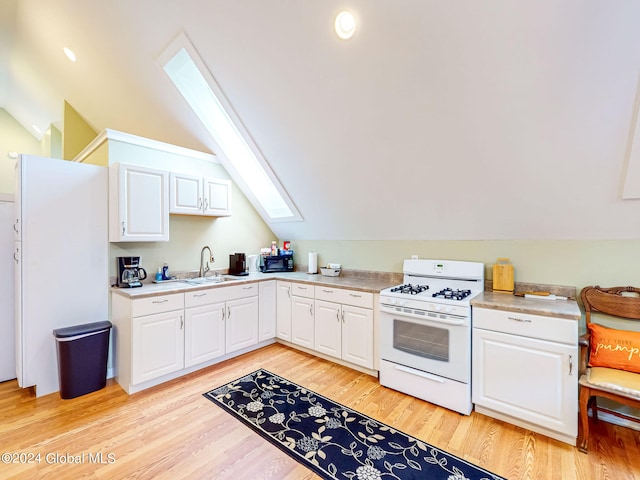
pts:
[583, 431]
[593, 405]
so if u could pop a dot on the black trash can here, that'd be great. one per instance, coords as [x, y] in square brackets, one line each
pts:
[82, 358]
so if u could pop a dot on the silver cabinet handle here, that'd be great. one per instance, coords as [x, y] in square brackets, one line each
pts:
[311, 309]
[570, 365]
[181, 322]
[342, 316]
[228, 313]
[355, 295]
[523, 320]
[123, 228]
[206, 204]
[222, 315]
[160, 301]
[199, 203]
[199, 294]
[289, 291]
[15, 227]
[248, 288]
[338, 315]
[15, 256]
[327, 291]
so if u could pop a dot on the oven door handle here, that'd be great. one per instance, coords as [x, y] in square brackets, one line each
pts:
[418, 373]
[446, 321]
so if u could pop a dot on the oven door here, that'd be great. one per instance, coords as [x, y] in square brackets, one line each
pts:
[432, 342]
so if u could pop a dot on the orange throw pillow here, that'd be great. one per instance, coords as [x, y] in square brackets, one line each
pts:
[614, 348]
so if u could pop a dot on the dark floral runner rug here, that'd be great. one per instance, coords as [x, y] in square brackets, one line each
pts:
[334, 441]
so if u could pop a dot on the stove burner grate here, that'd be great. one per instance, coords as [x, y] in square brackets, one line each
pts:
[449, 294]
[410, 289]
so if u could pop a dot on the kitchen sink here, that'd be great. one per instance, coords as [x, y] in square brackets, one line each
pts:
[207, 280]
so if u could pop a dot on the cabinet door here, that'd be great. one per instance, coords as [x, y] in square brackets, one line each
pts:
[186, 195]
[157, 345]
[241, 329]
[217, 197]
[328, 328]
[529, 379]
[204, 337]
[267, 310]
[357, 335]
[138, 204]
[302, 324]
[283, 310]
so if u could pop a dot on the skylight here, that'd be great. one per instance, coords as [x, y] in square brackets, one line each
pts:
[244, 160]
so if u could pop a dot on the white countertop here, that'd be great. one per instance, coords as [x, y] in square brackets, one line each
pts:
[550, 308]
[372, 285]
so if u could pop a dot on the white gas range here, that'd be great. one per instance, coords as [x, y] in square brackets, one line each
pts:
[425, 331]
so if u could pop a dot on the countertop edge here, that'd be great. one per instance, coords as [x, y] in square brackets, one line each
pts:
[351, 283]
[566, 309]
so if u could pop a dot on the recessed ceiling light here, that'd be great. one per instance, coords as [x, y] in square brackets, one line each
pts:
[70, 55]
[345, 25]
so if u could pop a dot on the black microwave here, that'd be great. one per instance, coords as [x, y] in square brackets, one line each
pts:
[277, 263]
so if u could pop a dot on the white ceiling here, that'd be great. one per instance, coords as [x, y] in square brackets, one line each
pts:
[437, 120]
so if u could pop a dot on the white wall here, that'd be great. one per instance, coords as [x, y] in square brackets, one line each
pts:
[13, 138]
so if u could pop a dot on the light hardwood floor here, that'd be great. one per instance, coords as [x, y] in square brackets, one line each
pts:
[172, 431]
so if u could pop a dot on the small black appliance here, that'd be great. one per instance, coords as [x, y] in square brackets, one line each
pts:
[277, 263]
[130, 273]
[238, 264]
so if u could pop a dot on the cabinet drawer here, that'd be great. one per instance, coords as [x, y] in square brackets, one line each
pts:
[527, 325]
[240, 291]
[157, 304]
[345, 297]
[202, 297]
[302, 290]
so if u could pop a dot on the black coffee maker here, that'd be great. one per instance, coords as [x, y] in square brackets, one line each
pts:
[130, 272]
[238, 264]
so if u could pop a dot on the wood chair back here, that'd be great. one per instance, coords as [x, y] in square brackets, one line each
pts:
[611, 301]
[621, 302]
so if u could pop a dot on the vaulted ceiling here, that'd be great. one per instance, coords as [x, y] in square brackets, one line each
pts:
[437, 120]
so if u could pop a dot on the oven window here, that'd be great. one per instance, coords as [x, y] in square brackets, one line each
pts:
[421, 340]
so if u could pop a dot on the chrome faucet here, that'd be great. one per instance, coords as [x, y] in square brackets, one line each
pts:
[205, 268]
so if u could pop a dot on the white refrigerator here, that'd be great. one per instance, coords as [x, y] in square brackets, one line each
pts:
[61, 255]
[7, 323]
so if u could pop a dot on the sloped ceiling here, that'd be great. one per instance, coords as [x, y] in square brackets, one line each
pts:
[437, 120]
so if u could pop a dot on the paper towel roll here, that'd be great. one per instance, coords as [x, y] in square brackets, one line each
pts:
[313, 262]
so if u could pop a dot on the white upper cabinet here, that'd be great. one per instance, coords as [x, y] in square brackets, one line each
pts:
[138, 204]
[217, 197]
[194, 195]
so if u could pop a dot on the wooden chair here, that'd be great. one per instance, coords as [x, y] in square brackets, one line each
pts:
[618, 385]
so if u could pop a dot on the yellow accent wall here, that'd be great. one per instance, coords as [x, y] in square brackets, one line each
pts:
[77, 133]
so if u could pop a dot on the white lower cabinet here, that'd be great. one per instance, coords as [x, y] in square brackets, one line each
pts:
[157, 346]
[331, 321]
[283, 310]
[150, 333]
[267, 310]
[204, 333]
[165, 336]
[525, 371]
[344, 331]
[302, 320]
[241, 323]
